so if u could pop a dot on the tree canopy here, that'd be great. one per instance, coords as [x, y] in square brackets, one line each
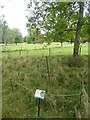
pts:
[8, 35]
[60, 21]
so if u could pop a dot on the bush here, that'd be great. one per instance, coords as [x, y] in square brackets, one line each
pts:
[77, 61]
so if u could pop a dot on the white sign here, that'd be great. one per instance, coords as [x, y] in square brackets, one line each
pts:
[39, 94]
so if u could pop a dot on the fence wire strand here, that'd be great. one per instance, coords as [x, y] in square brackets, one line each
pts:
[60, 95]
[23, 86]
[68, 95]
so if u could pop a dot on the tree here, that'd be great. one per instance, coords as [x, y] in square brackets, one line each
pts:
[28, 39]
[51, 17]
[58, 20]
[7, 35]
[40, 38]
[4, 32]
[78, 29]
[0, 31]
[88, 21]
[34, 33]
[24, 39]
[84, 34]
[31, 36]
[17, 36]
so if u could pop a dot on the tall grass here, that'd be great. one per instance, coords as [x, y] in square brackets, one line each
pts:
[31, 72]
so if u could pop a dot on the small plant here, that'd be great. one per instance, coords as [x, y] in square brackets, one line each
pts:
[77, 61]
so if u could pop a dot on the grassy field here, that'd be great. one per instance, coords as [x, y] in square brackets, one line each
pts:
[24, 69]
[25, 46]
[21, 77]
[23, 50]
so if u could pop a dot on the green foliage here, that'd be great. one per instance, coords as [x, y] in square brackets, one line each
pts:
[17, 36]
[35, 35]
[84, 34]
[28, 39]
[4, 32]
[7, 35]
[61, 21]
[40, 38]
[55, 18]
[77, 61]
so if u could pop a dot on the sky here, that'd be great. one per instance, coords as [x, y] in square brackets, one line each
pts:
[15, 14]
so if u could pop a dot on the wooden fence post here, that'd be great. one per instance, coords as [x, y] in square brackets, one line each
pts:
[85, 102]
[27, 53]
[49, 51]
[11, 84]
[77, 114]
[8, 54]
[20, 52]
[48, 68]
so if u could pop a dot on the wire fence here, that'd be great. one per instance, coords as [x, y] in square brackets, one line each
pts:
[26, 53]
[59, 95]
[41, 52]
[23, 86]
[81, 93]
[53, 95]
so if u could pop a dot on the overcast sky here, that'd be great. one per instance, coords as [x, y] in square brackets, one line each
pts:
[15, 14]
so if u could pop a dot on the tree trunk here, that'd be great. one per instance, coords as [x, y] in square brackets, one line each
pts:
[89, 22]
[78, 30]
[5, 41]
[61, 44]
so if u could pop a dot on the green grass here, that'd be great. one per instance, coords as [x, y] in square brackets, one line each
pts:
[28, 67]
[25, 46]
[66, 74]
[30, 50]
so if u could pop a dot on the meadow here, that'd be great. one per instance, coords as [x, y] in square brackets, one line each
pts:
[54, 70]
[21, 77]
[24, 49]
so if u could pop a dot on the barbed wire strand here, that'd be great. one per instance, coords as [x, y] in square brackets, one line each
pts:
[67, 95]
[23, 86]
[60, 95]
